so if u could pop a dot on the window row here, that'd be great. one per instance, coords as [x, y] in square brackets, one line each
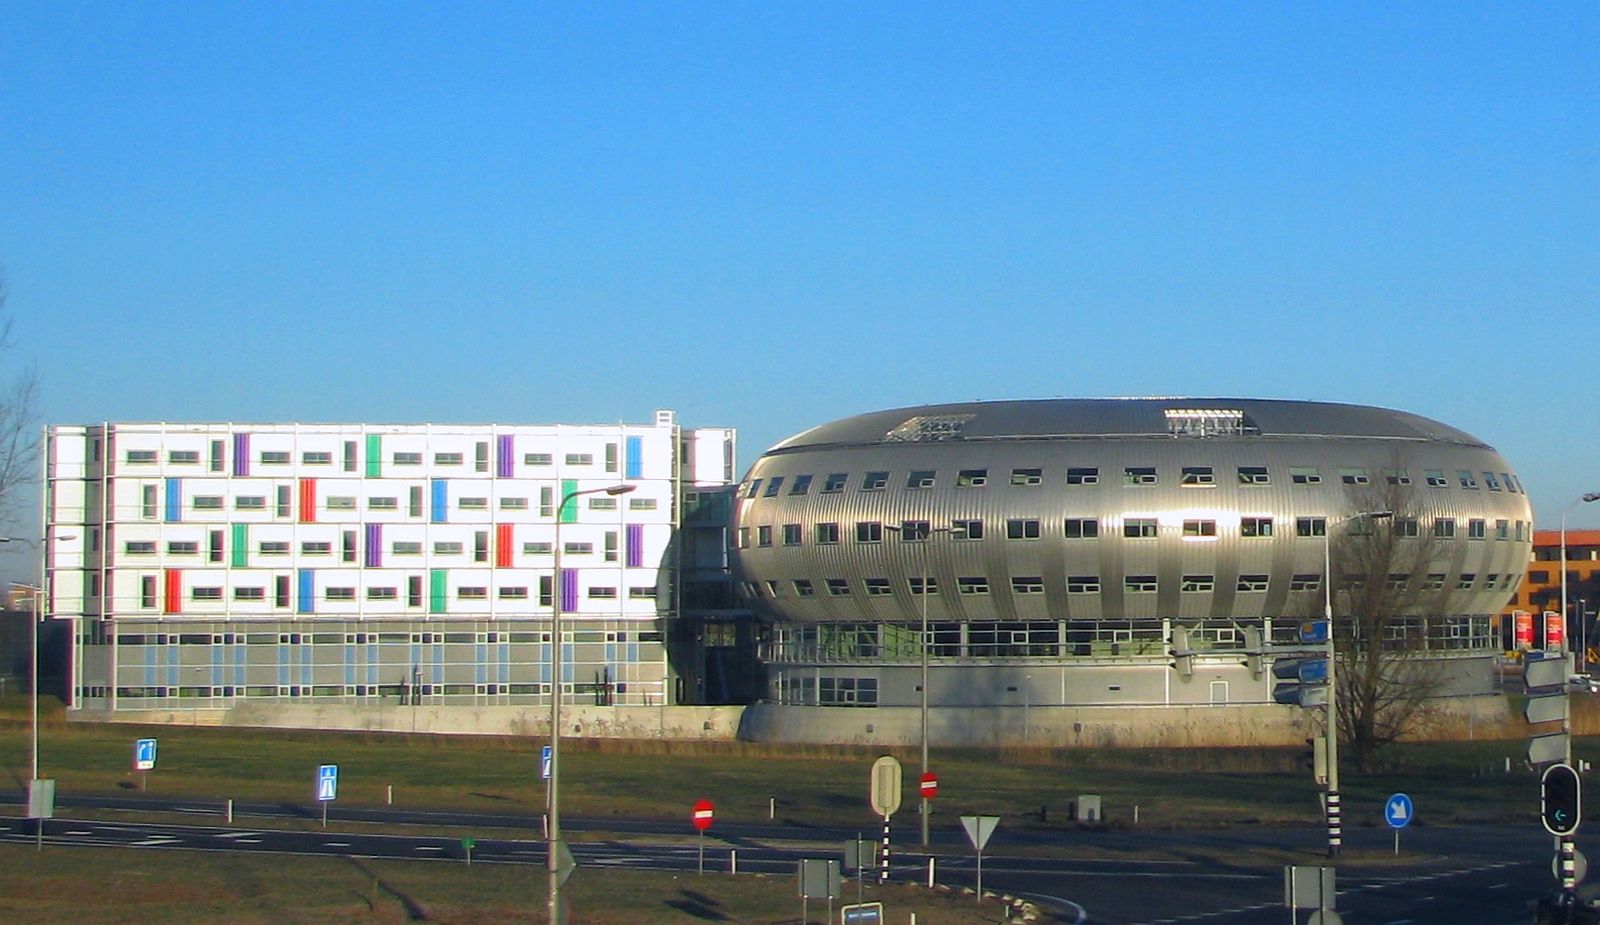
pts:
[1131, 584]
[1083, 528]
[1132, 476]
[347, 549]
[349, 458]
[390, 638]
[281, 505]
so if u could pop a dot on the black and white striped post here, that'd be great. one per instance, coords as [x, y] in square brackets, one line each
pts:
[883, 870]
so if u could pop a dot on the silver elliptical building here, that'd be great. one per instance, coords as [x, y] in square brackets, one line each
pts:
[1056, 550]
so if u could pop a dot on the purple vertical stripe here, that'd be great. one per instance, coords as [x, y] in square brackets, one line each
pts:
[506, 455]
[374, 545]
[569, 590]
[241, 454]
[635, 545]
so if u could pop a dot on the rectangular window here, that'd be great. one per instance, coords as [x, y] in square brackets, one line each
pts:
[1406, 527]
[315, 548]
[513, 504]
[602, 593]
[973, 585]
[208, 502]
[1397, 476]
[1310, 526]
[184, 457]
[447, 548]
[1305, 582]
[916, 583]
[642, 593]
[1139, 584]
[827, 534]
[1083, 475]
[1435, 478]
[764, 535]
[611, 457]
[1465, 582]
[602, 503]
[274, 547]
[140, 547]
[274, 458]
[1254, 475]
[407, 548]
[1139, 527]
[205, 594]
[1083, 584]
[920, 478]
[791, 534]
[383, 594]
[1022, 529]
[1082, 528]
[147, 592]
[383, 504]
[580, 459]
[834, 483]
[1252, 583]
[250, 503]
[538, 549]
[838, 587]
[1027, 476]
[803, 587]
[1027, 584]
[972, 478]
[1195, 476]
[774, 485]
[473, 504]
[1139, 475]
[802, 484]
[1467, 479]
[408, 459]
[1305, 475]
[645, 504]
[1353, 475]
[1434, 582]
[182, 548]
[1475, 529]
[148, 506]
[472, 593]
[1200, 528]
[341, 502]
[1255, 526]
[316, 458]
[1397, 581]
[966, 529]
[537, 459]
[914, 531]
[448, 459]
[875, 481]
[141, 456]
[877, 587]
[1502, 529]
[1198, 583]
[869, 531]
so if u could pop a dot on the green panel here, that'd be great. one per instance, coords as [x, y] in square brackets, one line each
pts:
[374, 456]
[569, 511]
[436, 590]
[241, 545]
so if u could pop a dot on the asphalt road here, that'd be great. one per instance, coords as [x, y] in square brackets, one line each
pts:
[1477, 875]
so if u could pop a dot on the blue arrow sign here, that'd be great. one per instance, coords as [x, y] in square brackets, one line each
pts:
[1314, 631]
[328, 782]
[1398, 811]
[144, 754]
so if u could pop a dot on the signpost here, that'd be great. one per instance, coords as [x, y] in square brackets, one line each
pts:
[327, 788]
[703, 813]
[41, 806]
[144, 758]
[544, 763]
[885, 799]
[978, 829]
[818, 878]
[467, 845]
[1398, 812]
[929, 785]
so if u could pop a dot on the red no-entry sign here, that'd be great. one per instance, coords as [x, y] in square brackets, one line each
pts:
[703, 812]
[930, 785]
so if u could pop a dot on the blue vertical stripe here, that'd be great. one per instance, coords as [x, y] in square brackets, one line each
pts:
[174, 500]
[441, 501]
[308, 592]
[633, 466]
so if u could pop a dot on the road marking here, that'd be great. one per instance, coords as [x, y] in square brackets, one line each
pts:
[155, 841]
[430, 848]
[1497, 886]
[80, 832]
[240, 835]
[335, 844]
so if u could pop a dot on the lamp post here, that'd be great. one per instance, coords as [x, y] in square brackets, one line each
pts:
[38, 616]
[1331, 726]
[553, 816]
[1585, 499]
[925, 807]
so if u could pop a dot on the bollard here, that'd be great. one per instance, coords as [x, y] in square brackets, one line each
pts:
[772, 807]
[930, 873]
[230, 809]
[1136, 814]
[733, 860]
[390, 796]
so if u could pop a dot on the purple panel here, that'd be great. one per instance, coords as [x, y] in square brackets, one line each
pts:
[635, 545]
[569, 590]
[241, 454]
[374, 545]
[506, 451]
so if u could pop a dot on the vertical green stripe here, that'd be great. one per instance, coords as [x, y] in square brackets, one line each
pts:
[436, 590]
[569, 511]
[241, 545]
[374, 456]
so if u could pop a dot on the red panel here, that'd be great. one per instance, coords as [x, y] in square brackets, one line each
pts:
[308, 501]
[174, 597]
[502, 545]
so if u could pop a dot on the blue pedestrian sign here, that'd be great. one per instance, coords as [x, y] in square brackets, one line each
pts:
[328, 782]
[1398, 811]
[144, 754]
[544, 763]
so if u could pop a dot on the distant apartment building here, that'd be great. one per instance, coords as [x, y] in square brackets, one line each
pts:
[1540, 591]
[205, 565]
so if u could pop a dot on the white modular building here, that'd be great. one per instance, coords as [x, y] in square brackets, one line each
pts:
[205, 565]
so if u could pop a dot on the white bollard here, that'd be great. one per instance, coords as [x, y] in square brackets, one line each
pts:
[1136, 814]
[930, 873]
[733, 861]
[390, 796]
[230, 809]
[772, 807]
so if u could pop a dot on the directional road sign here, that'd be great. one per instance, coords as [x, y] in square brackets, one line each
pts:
[1544, 672]
[1546, 708]
[144, 754]
[1398, 811]
[544, 763]
[1314, 631]
[327, 782]
[1547, 748]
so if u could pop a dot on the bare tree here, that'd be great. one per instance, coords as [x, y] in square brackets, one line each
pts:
[19, 432]
[1391, 607]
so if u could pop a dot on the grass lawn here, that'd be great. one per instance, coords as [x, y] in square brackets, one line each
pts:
[106, 886]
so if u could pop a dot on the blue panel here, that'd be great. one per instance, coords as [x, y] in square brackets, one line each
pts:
[634, 465]
[308, 592]
[174, 500]
[441, 500]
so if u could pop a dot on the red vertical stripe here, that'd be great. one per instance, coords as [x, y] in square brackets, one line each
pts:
[502, 545]
[174, 602]
[308, 501]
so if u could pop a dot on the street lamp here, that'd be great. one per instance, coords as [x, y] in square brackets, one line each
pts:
[553, 833]
[38, 616]
[925, 535]
[1590, 497]
[1331, 726]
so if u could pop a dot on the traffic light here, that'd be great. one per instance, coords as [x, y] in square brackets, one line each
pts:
[1560, 799]
[1181, 652]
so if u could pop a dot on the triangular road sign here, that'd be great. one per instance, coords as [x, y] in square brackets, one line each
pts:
[979, 828]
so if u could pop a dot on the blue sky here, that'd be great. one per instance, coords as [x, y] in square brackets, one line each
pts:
[770, 216]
